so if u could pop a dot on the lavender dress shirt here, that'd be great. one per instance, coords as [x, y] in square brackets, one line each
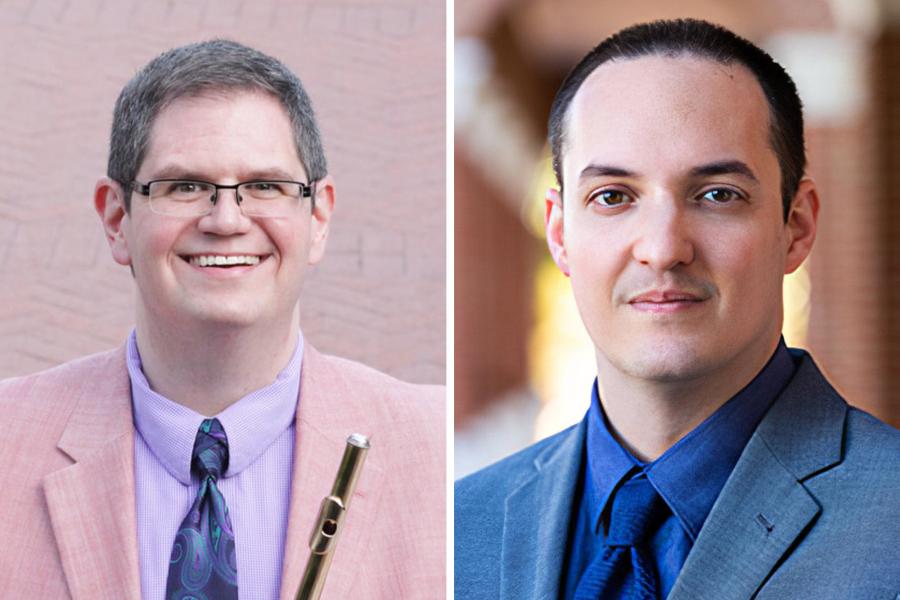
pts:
[256, 486]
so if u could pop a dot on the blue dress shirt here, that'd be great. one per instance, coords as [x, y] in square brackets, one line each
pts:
[689, 476]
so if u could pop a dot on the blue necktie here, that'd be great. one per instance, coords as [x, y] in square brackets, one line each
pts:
[203, 565]
[625, 568]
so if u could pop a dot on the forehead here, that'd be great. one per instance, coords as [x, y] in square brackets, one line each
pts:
[218, 132]
[661, 112]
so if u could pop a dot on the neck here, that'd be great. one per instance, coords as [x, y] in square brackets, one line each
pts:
[649, 416]
[207, 367]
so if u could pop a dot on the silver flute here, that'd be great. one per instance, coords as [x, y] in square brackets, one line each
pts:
[331, 518]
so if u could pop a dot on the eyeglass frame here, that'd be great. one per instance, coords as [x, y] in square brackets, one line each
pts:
[307, 190]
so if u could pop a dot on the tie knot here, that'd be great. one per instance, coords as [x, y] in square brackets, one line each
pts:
[636, 511]
[210, 456]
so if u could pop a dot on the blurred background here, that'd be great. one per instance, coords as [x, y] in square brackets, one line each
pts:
[523, 362]
[375, 73]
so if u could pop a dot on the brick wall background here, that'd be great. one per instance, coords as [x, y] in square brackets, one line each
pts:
[887, 93]
[375, 71]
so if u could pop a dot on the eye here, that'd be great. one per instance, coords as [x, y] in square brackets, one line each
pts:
[609, 198]
[186, 187]
[720, 196]
[265, 190]
[183, 190]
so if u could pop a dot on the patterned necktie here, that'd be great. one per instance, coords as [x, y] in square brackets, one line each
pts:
[203, 565]
[624, 569]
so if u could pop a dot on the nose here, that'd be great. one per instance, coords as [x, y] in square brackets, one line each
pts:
[663, 238]
[226, 216]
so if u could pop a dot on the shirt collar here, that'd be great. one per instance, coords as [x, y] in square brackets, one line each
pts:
[251, 424]
[690, 474]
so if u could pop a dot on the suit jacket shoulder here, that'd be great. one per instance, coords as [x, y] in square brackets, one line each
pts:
[393, 542]
[511, 520]
[48, 397]
[856, 526]
[405, 422]
[496, 481]
[810, 509]
[49, 421]
[384, 397]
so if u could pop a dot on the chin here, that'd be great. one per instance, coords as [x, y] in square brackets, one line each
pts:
[664, 362]
[225, 315]
[225, 321]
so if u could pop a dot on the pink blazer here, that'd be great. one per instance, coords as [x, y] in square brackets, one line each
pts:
[67, 509]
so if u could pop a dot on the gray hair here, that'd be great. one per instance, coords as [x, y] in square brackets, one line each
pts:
[198, 69]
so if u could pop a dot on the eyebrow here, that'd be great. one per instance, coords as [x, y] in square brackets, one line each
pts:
[593, 170]
[721, 167]
[725, 167]
[178, 172]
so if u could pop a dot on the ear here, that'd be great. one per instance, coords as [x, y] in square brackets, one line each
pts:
[109, 202]
[321, 217]
[553, 225]
[801, 225]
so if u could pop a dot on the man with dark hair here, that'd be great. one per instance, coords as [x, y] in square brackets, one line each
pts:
[191, 462]
[713, 461]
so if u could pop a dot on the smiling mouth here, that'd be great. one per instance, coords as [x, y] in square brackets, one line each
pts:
[223, 261]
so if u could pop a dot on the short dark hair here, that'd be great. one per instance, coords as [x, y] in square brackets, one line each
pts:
[209, 67]
[705, 40]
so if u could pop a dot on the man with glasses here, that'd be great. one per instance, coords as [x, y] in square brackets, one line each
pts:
[191, 463]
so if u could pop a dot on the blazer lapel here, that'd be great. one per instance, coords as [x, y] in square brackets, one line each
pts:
[325, 418]
[91, 502]
[536, 522]
[764, 508]
[759, 514]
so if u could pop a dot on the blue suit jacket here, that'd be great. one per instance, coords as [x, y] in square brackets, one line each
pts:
[811, 510]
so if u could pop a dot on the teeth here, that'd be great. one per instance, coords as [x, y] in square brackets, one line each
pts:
[211, 260]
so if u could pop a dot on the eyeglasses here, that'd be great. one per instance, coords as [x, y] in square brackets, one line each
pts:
[194, 198]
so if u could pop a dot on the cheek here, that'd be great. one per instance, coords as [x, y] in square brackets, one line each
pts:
[595, 262]
[148, 243]
[151, 245]
[596, 249]
[749, 266]
[289, 238]
[160, 242]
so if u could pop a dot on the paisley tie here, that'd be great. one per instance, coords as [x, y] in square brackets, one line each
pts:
[624, 569]
[203, 565]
